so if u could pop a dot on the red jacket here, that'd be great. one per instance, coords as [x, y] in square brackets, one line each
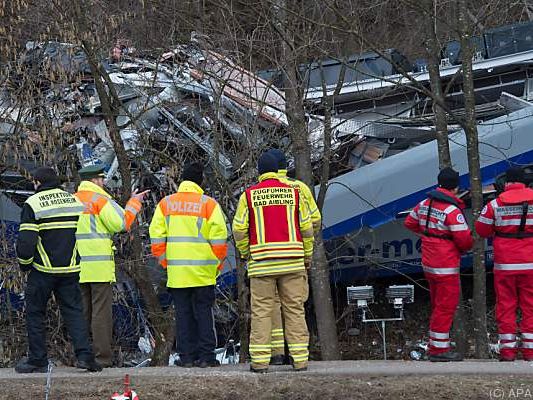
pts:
[503, 216]
[447, 234]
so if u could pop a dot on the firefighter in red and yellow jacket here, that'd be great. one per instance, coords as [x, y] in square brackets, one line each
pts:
[274, 232]
[445, 236]
[306, 195]
[509, 218]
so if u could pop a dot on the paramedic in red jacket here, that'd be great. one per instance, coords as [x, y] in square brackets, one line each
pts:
[509, 218]
[445, 236]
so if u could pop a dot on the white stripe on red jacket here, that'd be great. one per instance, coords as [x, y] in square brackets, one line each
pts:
[503, 215]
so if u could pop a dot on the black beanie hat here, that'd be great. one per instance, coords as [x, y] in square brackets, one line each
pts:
[515, 174]
[46, 175]
[267, 163]
[280, 158]
[448, 178]
[193, 172]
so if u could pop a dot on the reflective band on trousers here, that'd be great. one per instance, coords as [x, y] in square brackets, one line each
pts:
[507, 336]
[441, 271]
[510, 345]
[437, 335]
[96, 258]
[440, 345]
[193, 262]
[526, 335]
[513, 267]
[527, 345]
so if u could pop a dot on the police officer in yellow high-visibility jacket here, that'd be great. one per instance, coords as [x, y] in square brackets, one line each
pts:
[273, 231]
[278, 342]
[102, 218]
[189, 237]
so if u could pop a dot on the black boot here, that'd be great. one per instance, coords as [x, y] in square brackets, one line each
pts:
[89, 365]
[181, 363]
[445, 357]
[277, 359]
[205, 364]
[24, 367]
[258, 370]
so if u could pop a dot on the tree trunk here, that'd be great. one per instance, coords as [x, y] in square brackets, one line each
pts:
[479, 302]
[441, 124]
[110, 108]
[244, 311]
[290, 26]
[528, 6]
[459, 331]
[161, 326]
[319, 274]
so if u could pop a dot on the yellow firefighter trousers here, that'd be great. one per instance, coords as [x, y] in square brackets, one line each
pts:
[278, 336]
[292, 290]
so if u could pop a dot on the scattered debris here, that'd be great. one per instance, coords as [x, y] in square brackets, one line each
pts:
[128, 394]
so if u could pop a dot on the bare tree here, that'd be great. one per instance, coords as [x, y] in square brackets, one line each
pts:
[472, 144]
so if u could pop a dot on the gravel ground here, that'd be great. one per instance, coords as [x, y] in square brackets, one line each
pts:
[324, 380]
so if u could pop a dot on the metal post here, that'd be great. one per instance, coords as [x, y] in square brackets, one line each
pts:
[384, 340]
[48, 388]
[383, 328]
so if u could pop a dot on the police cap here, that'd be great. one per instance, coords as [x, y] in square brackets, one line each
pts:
[92, 171]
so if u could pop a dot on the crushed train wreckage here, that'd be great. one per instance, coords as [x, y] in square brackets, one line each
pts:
[197, 103]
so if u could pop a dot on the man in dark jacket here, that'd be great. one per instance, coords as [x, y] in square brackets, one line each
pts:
[445, 236]
[509, 218]
[46, 247]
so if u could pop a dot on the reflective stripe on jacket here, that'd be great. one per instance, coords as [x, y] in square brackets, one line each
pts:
[306, 196]
[102, 218]
[504, 215]
[272, 228]
[189, 237]
[46, 238]
[449, 235]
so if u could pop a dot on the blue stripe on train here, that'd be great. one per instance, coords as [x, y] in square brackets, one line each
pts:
[388, 212]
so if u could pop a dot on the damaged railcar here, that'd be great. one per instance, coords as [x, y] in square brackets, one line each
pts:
[194, 103]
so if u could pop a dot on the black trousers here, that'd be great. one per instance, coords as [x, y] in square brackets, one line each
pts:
[195, 324]
[66, 290]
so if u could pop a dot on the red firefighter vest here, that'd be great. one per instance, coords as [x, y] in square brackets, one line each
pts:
[274, 222]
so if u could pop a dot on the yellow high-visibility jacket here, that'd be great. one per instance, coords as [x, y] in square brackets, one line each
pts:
[307, 197]
[189, 237]
[272, 228]
[102, 218]
[46, 238]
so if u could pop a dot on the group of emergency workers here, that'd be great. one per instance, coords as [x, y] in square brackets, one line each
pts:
[65, 242]
[508, 218]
